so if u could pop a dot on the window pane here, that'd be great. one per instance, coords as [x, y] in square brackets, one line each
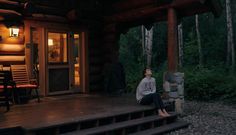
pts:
[76, 59]
[57, 47]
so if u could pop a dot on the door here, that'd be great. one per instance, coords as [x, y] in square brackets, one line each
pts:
[58, 69]
[76, 61]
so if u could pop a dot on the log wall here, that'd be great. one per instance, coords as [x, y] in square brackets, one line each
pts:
[12, 49]
[95, 60]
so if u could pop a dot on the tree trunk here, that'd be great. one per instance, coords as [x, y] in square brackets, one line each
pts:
[180, 42]
[143, 39]
[148, 44]
[230, 40]
[147, 37]
[199, 41]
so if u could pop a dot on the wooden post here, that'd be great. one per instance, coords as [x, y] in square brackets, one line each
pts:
[172, 41]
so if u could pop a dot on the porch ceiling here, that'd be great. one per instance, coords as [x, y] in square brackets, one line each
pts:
[152, 12]
[128, 12]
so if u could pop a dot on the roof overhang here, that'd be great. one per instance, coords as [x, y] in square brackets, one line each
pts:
[154, 12]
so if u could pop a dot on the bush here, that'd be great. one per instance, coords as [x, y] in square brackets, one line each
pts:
[210, 84]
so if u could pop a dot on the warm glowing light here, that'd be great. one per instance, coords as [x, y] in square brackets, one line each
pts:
[14, 32]
[50, 42]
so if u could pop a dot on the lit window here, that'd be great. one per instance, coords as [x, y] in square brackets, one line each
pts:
[57, 47]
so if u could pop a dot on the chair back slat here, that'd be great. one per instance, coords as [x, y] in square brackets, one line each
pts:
[1, 67]
[2, 78]
[20, 74]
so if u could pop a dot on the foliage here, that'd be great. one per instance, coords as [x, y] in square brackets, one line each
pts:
[212, 81]
[131, 57]
[203, 84]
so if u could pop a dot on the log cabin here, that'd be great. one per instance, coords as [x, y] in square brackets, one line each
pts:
[68, 44]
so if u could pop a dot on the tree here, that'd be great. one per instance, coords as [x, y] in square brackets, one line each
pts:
[199, 41]
[147, 38]
[230, 40]
[180, 43]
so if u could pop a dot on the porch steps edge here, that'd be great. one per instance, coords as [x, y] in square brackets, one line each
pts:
[121, 125]
[163, 129]
[87, 118]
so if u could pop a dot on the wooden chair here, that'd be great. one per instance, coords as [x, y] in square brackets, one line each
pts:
[21, 78]
[4, 89]
[1, 67]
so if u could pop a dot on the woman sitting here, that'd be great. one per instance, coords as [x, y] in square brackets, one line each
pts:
[146, 93]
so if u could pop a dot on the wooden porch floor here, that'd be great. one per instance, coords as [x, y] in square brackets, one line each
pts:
[67, 108]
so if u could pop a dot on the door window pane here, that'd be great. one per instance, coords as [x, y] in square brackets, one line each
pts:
[76, 60]
[57, 47]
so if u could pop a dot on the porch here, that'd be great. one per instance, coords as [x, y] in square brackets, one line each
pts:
[62, 114]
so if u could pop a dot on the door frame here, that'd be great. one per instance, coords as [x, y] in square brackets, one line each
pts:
[83, 48]
[57, 65]
[42, 28]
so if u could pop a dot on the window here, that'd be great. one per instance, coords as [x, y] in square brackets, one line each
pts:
[57, 47]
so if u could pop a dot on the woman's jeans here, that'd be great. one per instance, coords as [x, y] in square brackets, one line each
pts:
[153, 98]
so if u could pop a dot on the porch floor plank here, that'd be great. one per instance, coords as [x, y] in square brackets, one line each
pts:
[57, 110]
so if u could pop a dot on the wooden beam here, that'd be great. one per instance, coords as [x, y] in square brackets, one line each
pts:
[172, 41]
[185, 7]
[136, 14]
[134, 4]
[215, 6]
[11, 5]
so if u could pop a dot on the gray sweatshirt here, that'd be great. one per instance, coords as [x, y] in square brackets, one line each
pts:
[145, 87]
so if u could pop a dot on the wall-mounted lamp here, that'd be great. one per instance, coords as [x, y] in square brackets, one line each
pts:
[14, 32]
[50, 42]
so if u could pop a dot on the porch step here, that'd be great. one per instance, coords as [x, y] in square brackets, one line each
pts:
[163, 129]
[122, 122]
[127, 126]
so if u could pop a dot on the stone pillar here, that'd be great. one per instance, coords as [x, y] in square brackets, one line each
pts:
[174, 86]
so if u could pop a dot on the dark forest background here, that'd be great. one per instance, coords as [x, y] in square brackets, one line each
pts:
[213, 80]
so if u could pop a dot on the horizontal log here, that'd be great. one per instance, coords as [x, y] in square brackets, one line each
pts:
[94, 55]
[152, 11]
[96, 61]
[11, 5]
[95, 70]
[12, 53]
[8, 63]
[31, 8]
[95, 80]
[96, 88]
[110, 28]
[12, 58]
[110, 38]
[133, 4]
[12, 48]
[122, 6]
[145, 12]
[47, 17]
[5, 12]
[95, 52]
